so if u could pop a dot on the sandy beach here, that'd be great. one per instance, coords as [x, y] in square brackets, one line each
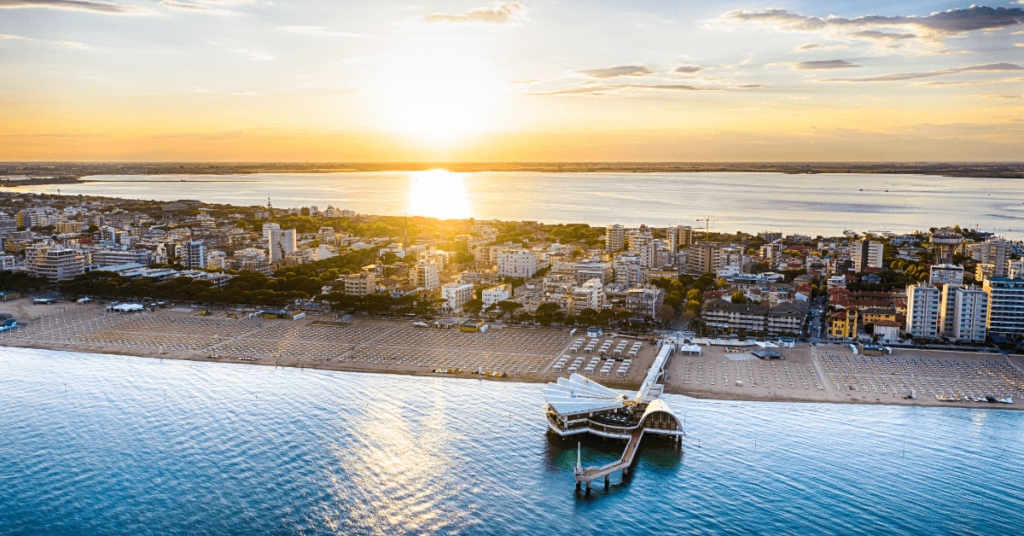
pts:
[831, 374]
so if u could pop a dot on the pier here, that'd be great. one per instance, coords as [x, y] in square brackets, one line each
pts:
[578, 405]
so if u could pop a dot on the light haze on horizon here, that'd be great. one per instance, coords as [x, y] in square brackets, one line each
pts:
[252, 80]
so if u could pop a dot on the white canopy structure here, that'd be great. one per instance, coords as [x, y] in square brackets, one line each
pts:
[127, 307]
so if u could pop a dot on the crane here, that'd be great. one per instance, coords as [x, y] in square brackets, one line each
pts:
[707, 226]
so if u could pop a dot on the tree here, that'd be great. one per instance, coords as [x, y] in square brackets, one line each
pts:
[695, 295]
[508, 307]
[666, 314]
[547, 308]
[693, 307]
[739, 297]
[473, 306]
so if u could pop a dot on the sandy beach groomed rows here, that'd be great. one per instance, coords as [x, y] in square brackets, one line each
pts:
[807, 374]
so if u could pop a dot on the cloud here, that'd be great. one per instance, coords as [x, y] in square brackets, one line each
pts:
[318, 31]
[931, 28]
[80, 5]
[65, 44]
[998, 96]
[612, 72]
[497, 13]
[746, 86]
[619, 88]
[817, 65]
[807, 46]
[688, 69]
[196, 8]
[897, 77]
[875, 35]
[526, 82]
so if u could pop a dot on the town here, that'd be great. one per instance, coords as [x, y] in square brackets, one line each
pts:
[236, 272]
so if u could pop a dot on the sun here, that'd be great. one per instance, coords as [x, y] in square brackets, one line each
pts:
[438, 193]
[439, 85]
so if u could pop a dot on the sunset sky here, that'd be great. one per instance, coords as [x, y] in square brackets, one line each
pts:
[510, 81]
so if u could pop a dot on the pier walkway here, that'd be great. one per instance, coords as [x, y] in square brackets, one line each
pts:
[623, 463]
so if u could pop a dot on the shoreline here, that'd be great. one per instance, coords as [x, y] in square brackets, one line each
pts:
[670, 388]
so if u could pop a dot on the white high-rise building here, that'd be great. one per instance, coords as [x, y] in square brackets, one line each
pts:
[867, 254]
[194, 255]
[970, 313]
[457, 294]
[923, 311]
[630, 271]
[991, 251]
[496, 294]
[427, 275]
[267, 228]
[946, 274]
[519, 263]
[614, 237]
[588, 296]
[1005, 306]
[54, 262]
[282, 244]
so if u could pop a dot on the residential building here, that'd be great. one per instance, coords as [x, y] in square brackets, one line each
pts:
[725, 315]
[866, 254]
[703, 257]
[194, 255]
[282, 243]
[496, 294]
[970, 313]
[844, 324]
[53, 262]
[427, 275]
[585, 271]
[644, 301]
[683, 235]
[630, 272]
[786, 318]
[456, 295]
[519, 263]
[923, 311]
[614, 238]
[946, 274]
[993, 252]
[1005, 306]
[114, 257]
[362, 283]
[590, 295]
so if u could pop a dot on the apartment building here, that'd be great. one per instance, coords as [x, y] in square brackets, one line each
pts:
[54, 262]
[614, 237]
[630, 272]
[970, 313]
[362, 283]
[866, 254]
[585, 271]
[946, 274]
[456, 294]
[194, 255]
[427, 275]
[496, 294]
[590, 295]
[991, 252]
[281, 244]
[924, 311]
[1005, 306]
[114, 257]
[519, 263]
[644, 301]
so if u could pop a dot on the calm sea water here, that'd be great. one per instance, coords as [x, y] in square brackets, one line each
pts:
[96, 444]
[815, 204]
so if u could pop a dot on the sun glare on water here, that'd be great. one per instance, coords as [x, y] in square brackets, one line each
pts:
[438, 194]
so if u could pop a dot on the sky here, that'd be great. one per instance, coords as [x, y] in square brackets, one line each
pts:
[530, 80]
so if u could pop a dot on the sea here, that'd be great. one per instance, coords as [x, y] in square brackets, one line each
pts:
[100, 444]
[823, 204]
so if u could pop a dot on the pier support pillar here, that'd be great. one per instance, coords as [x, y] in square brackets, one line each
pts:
[588, 488]
[605, 481]
[577, 485]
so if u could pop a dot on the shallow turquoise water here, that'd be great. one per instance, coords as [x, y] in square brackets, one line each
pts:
[93, 444]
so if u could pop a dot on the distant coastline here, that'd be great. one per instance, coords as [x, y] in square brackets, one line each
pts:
[63, 172]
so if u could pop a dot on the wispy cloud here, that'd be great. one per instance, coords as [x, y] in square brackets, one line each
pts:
[929, 30]
[688, 69]
[194, 7]
[109, 8]
[613, 72]
[600, 90]
[66, 44]
[897, 77]
[746, 86]
[807, 46]
[818, 65]
[498, 13]
[318, 31]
